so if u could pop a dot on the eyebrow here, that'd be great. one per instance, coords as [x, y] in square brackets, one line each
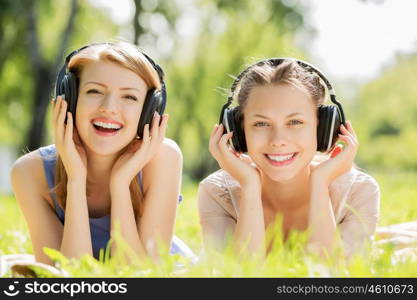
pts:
[288, 116]
[103, 85]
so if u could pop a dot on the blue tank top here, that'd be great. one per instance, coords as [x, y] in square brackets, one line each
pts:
[99, 227]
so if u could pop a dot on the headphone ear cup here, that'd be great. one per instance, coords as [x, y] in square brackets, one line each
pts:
[234, 120]
[154, 102]
[336, 126]
[328, 127]
[69, 88]
[321, 127]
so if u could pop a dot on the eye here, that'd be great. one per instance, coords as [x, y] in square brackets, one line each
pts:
[295, 122]
[260, 124]
[131, 97]
[93, 91]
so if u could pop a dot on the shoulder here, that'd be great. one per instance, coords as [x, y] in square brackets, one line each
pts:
[220, 182]
[169, 151]
[355, 189]
[165, 165]
[219, 189]
[365, 189]
[27, 172]
[355, 180]
[29, 163]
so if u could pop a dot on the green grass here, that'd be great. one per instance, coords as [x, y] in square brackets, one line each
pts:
[286, 260]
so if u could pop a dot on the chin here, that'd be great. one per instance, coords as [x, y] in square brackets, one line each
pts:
[105, 147]
[281, 176]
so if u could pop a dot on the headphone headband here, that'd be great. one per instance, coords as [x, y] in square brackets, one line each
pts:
[275, 62]
[156, 67]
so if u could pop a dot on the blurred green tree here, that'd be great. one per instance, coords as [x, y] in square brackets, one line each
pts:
[386, 113]
[34, 38]
[225, 36]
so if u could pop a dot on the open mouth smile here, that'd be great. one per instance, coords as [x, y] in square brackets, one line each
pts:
[281, 159]
[106, 127]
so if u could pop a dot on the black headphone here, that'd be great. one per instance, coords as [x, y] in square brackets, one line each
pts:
[330, 117]
[155, 100]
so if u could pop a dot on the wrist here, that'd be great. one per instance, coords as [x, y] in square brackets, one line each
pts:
[250, 181]
[119, 183]
[318, 180]
[251, 186]
[77, 180]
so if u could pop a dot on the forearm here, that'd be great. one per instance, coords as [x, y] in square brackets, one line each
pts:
[250, 228]
[322, 223]
[76, 240]
[123, 219]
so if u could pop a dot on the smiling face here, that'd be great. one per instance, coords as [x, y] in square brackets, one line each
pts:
[280, 122]
[110, 102]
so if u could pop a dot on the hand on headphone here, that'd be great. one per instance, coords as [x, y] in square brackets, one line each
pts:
[341, 160]
[68, 142]
[140, 152]
[237, 165]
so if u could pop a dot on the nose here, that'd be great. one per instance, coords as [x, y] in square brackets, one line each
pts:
[278, 137]
[108, 104]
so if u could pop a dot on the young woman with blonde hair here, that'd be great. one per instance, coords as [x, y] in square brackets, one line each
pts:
[111, 166]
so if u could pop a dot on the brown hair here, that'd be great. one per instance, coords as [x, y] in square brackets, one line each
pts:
[125, 55]
[288, 72]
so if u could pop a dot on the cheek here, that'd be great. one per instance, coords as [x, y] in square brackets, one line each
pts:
[308, 136]
[254, 139]
[83, 111]
[132, 117]
[308, 141]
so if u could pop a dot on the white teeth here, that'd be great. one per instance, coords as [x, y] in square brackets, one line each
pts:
[280, 158]
[107, 125]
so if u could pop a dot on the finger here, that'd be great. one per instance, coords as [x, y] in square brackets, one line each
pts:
[345, 131]
[68, 129]
[246, 158]
[53, 106]
[350, 142]
[76, 136]
[146, 135]
[350, 128]
[135, 145]
[214, 141]
[56, 107]
[218, 134]
[225, 138]
[215, 135]
[155, 126]
[214, 130]
[233, 152]
[223, 142]
[60, 121]
[163, 127]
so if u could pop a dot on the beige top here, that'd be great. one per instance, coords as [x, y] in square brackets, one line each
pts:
[355, 198]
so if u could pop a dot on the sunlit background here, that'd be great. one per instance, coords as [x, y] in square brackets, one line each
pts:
[366, 48]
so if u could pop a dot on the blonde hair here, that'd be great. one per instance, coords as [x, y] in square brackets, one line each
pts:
[125, 55]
